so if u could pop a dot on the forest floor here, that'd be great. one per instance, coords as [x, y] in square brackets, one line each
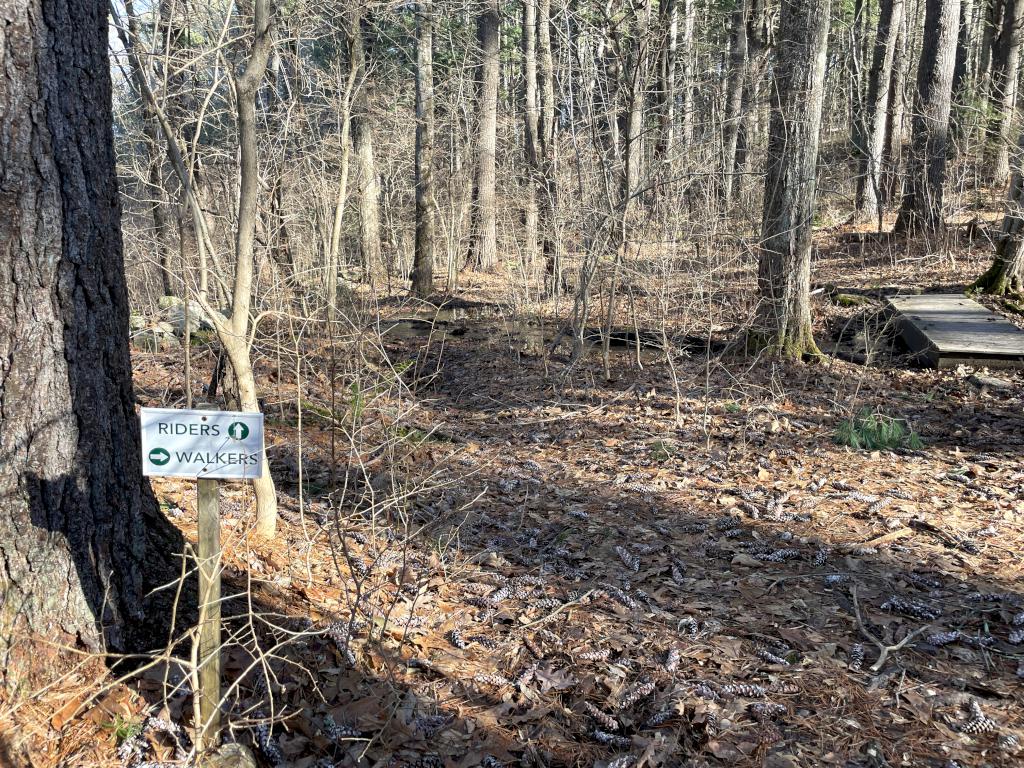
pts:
[519, 562]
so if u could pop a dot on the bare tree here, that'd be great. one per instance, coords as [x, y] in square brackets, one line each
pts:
[783, 324]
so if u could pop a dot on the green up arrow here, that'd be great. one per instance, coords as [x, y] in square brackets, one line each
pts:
[237, 430]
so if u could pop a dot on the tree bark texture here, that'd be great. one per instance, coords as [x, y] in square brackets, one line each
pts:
[922, 200]
[81, 537]
[485, 243]
[879, 93]
[738, 62]
[1003, 93]
[1006, 275]
[234, 335]
[423, 258]
[784, 317]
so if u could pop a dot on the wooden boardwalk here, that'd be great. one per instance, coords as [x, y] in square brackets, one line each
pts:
[947, 330]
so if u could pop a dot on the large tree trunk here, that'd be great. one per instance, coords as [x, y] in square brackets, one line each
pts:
[1006, 275]
[890, 22]
[783, 324]
[81, 538]
[922, 200]
[485, 243]
[1003, 94]
[423, 258]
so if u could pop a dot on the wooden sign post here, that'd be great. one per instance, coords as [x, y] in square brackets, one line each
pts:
[209, 446]
[208, 655]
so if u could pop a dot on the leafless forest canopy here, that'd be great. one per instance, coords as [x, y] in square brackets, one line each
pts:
[590, 438]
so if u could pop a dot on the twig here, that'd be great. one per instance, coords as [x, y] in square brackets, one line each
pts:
[559, 609]
[884, 650]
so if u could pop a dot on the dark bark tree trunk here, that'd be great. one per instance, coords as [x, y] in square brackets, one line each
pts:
[81, 537]
[423, 257]
[1003, 93]
[879, 93]
[783, 324]
[485, 242]
[922, 201]
[1006, 275]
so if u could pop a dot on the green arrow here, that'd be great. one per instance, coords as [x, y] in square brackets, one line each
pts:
[159, 456]
[238, 431]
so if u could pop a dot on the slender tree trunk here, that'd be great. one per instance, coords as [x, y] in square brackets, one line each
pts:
[151, 129]
[784, 269]
[341, 198]
[368, 186]
[964, 51]
[686, 108]
[1003, 93]
[734, 99]
[234, 334]
[485, 243]
[423, 259]
[279, 240]
[82, 543]
[531, 129]
[668, 22]
[549, 193]
[879, 93]
[1006, 275]
[635, 89]
[989, 31]
[892, 154]
[922, 200]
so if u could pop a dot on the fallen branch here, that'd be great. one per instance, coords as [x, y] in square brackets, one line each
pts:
[559, 609]
[883, 649]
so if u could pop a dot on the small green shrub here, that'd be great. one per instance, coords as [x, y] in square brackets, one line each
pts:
[873, 431]
[123, 728]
